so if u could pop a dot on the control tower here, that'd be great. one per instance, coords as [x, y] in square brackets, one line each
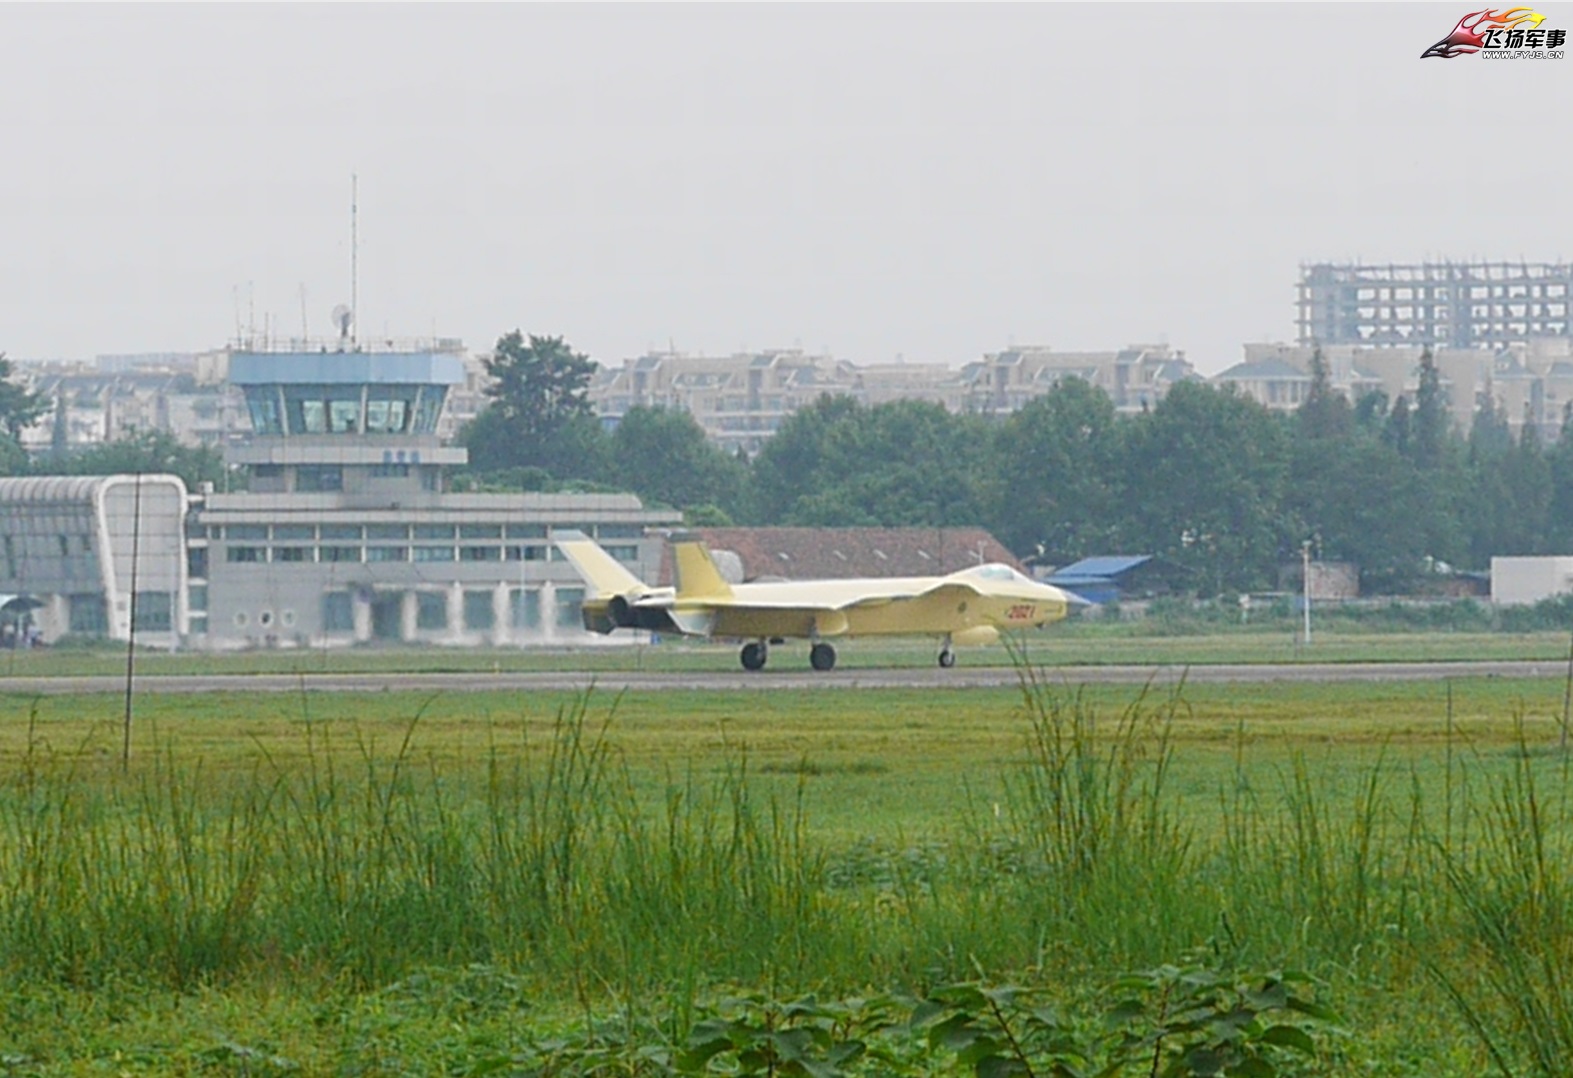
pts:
[361, 423]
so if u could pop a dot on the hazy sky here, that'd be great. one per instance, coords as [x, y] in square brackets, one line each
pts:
[935, 182]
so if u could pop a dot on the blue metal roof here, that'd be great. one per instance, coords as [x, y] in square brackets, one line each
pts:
[1099, 568]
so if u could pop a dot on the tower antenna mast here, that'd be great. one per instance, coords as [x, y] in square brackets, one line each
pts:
[354, 254]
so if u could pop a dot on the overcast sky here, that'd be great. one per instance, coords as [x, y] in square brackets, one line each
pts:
[932, 182]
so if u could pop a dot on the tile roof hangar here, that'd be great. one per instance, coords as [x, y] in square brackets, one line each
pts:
[839, 553]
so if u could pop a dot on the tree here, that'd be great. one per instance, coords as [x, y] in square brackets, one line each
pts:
[1207, 470]
[1061, 484]
[149, 452]
[1325, 412]
[18, 409]
[540, 414]
[1559, 523]
[664, 456]
[1431, 419]
[800, 456]
[905, 463]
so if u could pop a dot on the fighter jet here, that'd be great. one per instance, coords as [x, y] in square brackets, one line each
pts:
[968, 607]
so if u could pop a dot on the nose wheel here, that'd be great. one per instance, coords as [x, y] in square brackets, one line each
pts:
[947, 657]
[822, 657]
[753, 655]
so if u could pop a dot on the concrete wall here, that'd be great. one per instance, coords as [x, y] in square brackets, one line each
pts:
[1529, 580]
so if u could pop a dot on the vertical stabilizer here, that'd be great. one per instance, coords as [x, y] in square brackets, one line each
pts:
[602, 571]
[697, 576]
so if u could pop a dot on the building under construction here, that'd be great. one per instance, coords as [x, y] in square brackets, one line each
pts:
[1439, 304]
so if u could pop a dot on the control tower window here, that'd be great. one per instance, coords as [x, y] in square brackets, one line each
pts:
[429, 408]
[344, 412]
[389, 408]
[267, 415]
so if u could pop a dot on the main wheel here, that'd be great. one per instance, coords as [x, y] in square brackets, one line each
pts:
[753, 656]
[947, 658]
[822, 656]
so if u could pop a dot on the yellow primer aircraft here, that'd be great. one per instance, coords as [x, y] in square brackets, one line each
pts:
[967, 607]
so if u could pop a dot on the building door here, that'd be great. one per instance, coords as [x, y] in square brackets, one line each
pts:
[387, 616]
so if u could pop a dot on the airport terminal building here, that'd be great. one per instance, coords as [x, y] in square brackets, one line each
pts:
[345, 535]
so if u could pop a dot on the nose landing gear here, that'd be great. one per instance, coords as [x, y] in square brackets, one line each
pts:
[947, 655]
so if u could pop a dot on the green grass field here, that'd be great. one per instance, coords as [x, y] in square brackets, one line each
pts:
[395, 883]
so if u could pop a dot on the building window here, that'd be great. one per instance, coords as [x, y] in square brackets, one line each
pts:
[294, 532]
[338, 612]
[246, 554]
[341, 531]
[267, 471]
[250, 532]
[478, 611]
[197, 597]
[623, 552]
[431, 610]
[434, 531]
[526, 553]
[292, 553]
[197, 562]
[620, 531]
[390, 471]
[154, 612]
[434, 553]
[339, 553]
[89, 615]
[569, 603]
[524, 608]
[480, 553]
[480, 531]
[387, 553]
[527, 531]
[387, 531]
[317, 478]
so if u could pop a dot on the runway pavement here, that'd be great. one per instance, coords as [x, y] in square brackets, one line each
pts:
[930, 678]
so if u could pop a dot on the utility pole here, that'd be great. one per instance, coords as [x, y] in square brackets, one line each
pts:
[1305, 587]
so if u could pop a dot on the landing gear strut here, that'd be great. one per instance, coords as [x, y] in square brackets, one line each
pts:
[822, 657]
[754, 655]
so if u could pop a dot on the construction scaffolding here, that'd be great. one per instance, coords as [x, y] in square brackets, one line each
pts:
[1440, 304]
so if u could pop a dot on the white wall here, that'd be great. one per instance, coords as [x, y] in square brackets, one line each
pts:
[1529, 580]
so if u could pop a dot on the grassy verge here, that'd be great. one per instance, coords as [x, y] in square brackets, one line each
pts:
[337, 884]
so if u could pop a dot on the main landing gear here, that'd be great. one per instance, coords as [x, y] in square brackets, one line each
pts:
[947, 655]
[754, 654]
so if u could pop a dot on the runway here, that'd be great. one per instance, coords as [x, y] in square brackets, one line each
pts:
[924, 678]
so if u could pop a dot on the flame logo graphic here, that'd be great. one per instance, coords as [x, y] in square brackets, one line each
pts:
[1469, 35]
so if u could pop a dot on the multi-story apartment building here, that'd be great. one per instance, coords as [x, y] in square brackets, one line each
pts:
[741, 400]
[1134, 377]
[1531, 382]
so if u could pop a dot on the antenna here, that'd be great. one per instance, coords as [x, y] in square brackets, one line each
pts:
[305, 329]
[354, 250]
[343, 319]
